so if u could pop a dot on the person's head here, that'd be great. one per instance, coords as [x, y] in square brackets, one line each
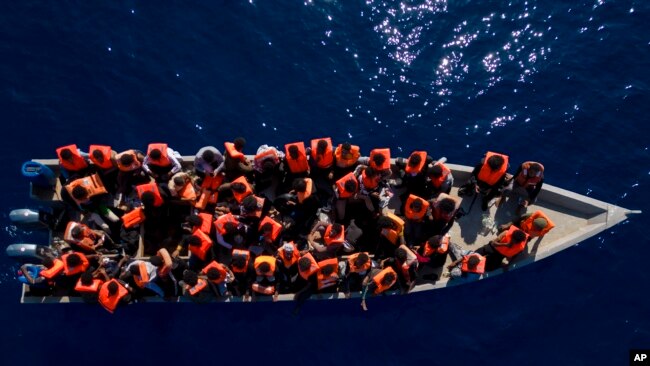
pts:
[361, 260]
[86, 278]
[436, 171]
[264, 267]
[155, 154]
[156, 260]
[112, 288]
[213, 274]
[447, 205]
[190, 277]
[48, 262]
[268, 165]
[66, 154]
[134, 270]
[193, 241]
[370, 172]
[195, 220]
[179, 181]
[384, 222]
[208, 156]
[304, 264]
[378, 159]
[293, 152]
[239, 143]
[495, 162]
[414, 160]
[517, 237]
[127, 159]
[299, 185]
[416, 206]
[327, 270]
[350, 186]
[435, 242]
[321, 147]
[230, 227]
[473, 261]
[335, 230]
[267, 228]
[238, 187]
[148, 198]
[388, 279]
[540, 223]
[238, 261]
[250, 203]
[97, 155]
[77, 232]
[79, 193]
[400, 254]
[533, 170]
[346, 148]
[73, 260]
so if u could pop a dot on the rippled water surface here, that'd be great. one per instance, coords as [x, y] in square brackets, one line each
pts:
[564, 83]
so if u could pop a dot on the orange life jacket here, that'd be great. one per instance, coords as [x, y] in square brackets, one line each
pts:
[87, 233]
[289, 261]
[514, 249]
[92, 288]
[141, 279]
[200, 285]
[92, 183]
[264, 259]
[302, 196]
[412, 215]
[528, 227]
[340, 186]
[442, 249]
[71, 271]
[241, 253]
[486, 175]
[327, 159]
[221, 221]
[166, 267]
[212, 182]
[127, 168]
[187, 193]
[353, 268]
[78, 162]
[219, 267]
[312, 269]
[276, 228]
[133, 217]
[418, 168]
[339, 239]
[110, 302]
[368, 182]
[258, 210]
[299, 165]
[386, 164]
[333, 278]
[206, 222]
[437, 182]
[153, 188]
[164, 160]
[346, 163]
[480, 268]
[377, 280]
[265, 155]
[233, 152]
[393, 234]
[106, 152]
[206, 243]
[209, 193]
[55, 270]
[239, 197]
[523, 180]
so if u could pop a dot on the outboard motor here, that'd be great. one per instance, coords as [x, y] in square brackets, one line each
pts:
[27, 219]
[31, 253]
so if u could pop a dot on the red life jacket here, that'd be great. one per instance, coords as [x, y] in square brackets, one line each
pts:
[330, 280]
[221, 221]
[239, 197]
[153, 188]
[133, 217]
[299, 165]
[293, 259]
[219, 267]
[412, 215]
[71, 271]
[353, 268]
[164, 160]
[241, 253]
[368, 182]
[442, 249]
[127, 168]
[78, 162]
[327, 159]
[206, 222]
[377, 280]
[91, 289]
[523, 180]
[312, 268]
[201, 284]
[142, 278]
[88, 239]
[275, 231]
[480, 268]
[267, 154]
[106, 152]
[393, 234]
[259, 207]
[233, 152]
[93, 184]
[55, 270]
[340, 186]
[489, 177]
[264, 259]
[514, 249]
[342, 162]
[437, 182]
[302, 196]
[528, 227]
[110, 302]
[202, 250]
[167, 262]
[418, 168]
[386, 164]
[339, 239]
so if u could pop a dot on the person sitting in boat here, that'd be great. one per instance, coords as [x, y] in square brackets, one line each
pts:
[346, 158]
[88, 287]
[88, 240]
[380, 161]
[355, 269]
[327, 240]
[288, 256]
[114, 293]
[391, 232]
[200, 246]
[346, 189]
[377, 282]
[328, 276]
[414, 171]
[181, 186]
[239, 189]
[129, 164]
[41, 276]
[218, 276]
[370, 187]
[242, 268]
[207, 160]
[266, 165]
[267, 276]
[432, 255]
[439, 179]
[405, 264]
[103, 159]
[235, 163]
[295, 164]
[300, 204]
[161, 162]
[230, 232]
[526, 184]
[253, 209]
[143, 277]
[535, 224]
[417, 212]
[465, 263]
[488, 178]
[321, 154]
[444, 210]
[195, 287]
[165, 266]
[270, 234]
[507, 245]
[75, 163]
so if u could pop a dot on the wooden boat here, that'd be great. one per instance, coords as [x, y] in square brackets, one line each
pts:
[577, 218]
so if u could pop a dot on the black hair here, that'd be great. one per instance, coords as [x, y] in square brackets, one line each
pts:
[400, 254]
[112, 288]
[293, 152]
[134, 270]
[48, 262]
[239, 143]
[230, 227]
[361, 259]
[267, 165]
[127, 159]
[327, 270]
[414, 160]
[346, 146]
[213, 274]
[336, 229]
[77, 232]
[304, 263]
[97, 154]
[195, 220]
[86, 278]
[447, 205]
[155, 154]
[473, 261]
[264, 267]
[193, 240]
[208, 156]
[299, 185]
[238, 261]
[249, 203]
[416, 205]
[321, 147]
[495, 162]
[238, 187]
[66, 154]
[267, 227]
[148, 198]
[370, 172]
[350, 185]
[190, 277]
[518, 236]
[435, 241]
[388, 278]
[79, 193]
[156, 260]
[378, 159]
[73, 260]
[436, 171]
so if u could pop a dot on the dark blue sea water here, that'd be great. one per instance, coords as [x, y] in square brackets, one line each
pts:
[564, 83]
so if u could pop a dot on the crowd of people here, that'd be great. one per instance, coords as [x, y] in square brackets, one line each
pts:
[301, 220]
